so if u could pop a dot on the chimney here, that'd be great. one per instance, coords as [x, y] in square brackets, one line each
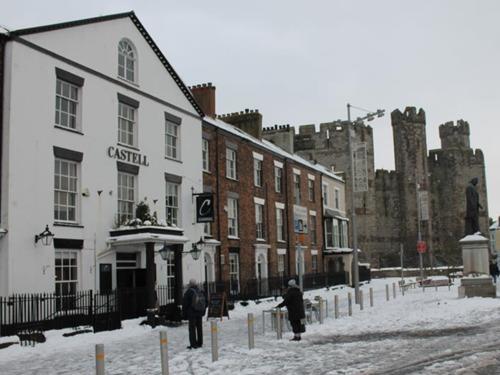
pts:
[249, 121]
[204, 95]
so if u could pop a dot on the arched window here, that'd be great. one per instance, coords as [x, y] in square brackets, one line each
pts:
[127, 60]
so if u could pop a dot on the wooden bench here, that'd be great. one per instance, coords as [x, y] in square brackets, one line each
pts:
[435, 284]
[406, 286]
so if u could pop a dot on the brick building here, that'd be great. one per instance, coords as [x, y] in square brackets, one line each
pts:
[267, 201]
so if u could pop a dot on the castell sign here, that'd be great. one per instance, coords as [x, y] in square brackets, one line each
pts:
[204, 208]
[127, 156]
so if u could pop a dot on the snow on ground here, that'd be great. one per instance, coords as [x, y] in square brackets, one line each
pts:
[431, 332]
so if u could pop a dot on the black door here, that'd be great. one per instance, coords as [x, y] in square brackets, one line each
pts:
[132, 292]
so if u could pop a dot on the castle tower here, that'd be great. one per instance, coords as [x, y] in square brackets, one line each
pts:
[451, 169]
[410, 151]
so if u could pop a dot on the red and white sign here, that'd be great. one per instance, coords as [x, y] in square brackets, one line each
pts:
[421, 247]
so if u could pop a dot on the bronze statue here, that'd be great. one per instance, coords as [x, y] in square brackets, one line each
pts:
[473, 206]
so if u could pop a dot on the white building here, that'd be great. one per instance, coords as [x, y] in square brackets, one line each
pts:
[95, 120]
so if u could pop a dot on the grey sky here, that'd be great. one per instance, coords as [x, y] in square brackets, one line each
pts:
[300, 62]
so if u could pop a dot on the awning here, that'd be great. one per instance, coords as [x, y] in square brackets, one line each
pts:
[142, 238]
[334, 214]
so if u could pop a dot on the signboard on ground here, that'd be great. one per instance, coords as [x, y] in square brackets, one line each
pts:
[217, 306]
[299, 219]
[360, 167]
[421, 247]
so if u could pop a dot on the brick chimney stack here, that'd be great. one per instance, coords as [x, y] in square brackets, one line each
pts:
[205, 97]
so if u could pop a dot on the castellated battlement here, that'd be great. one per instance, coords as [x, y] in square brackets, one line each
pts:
[446, 157]
[410, 115]
[455, 136]
[278, 129]
[250, 121]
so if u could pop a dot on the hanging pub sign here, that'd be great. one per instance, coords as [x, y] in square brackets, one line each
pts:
[204, 208]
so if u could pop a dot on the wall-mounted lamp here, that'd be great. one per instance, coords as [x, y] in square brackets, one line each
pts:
[46, 236]
[195, 251]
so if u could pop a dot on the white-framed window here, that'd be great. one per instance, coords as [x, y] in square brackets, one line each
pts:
[280, 226]
[337, 198]
[329, 233]
[257, 172]
[172, 203]
[325, 194]
[66, 274]
[259, 221]
[278, 179]
[231, 171]
[126, 196]
[312, 228]
[336, 233]
[234, 273]
[281, 263]
[127, 124]
[296, 188]
[66, 197]
[232, 217]
[314, 263]
[205, 154]
[127, 61]
[172, 140]
[170, 273]
[310, 189]
[343, 234]
[67, 104]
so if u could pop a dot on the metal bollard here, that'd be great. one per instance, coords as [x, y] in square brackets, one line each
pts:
[321, 303]
[386, 292]
[326, 308]
[264, 322]
[164, 352]
[336, 306]
[361, 300]
[215, 343]
[394, 290]
[99, 359]
[279, 333]
[349, 303]
[251, 339]
[371, 297]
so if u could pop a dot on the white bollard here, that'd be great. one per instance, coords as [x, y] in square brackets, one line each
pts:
[279, 333]
[99, 359]
[264, 322]
[326, 308]
[349, 303]
[321, 303]
[336, 306]
[386, 292]
[371, 297]
[394, 290]
[251, 338]
[215, 343]
[164, 352]
[361, 300]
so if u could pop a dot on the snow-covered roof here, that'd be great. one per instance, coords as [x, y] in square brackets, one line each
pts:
[271, 147]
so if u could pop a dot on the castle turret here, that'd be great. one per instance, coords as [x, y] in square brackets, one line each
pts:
[250, 121]
[455, 136]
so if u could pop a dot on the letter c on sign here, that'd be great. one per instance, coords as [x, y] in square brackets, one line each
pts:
[204, 207]
[111, 151]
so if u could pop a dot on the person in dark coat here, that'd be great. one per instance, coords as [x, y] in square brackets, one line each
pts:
[295, 305]
[194, 317]
[494, 270]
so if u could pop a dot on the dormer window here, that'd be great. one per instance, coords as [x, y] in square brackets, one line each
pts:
[127, 61]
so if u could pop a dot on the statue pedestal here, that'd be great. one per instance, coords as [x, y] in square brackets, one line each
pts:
[476, 281]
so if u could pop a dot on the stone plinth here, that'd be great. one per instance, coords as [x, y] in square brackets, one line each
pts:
[476, 281]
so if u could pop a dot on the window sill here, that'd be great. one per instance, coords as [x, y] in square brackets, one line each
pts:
[208, 172]
[127, 81]
[127, 146]
[76, 131]
[232, 179]
[281, 241]
[172, 159]
[233, 238]
[63, 224]
[261, 239]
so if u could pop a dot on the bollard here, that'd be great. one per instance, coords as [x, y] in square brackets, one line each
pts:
[349, 303]
[321, 302]
[361, 300]
[215, 344]
[402, 290]
[264, 322]
[371, 297]
[326, 308]
[394, 290]
[386, 292]
[336, 306]
[251, 340]
[164, 352]
[279, 333]
[99, 359]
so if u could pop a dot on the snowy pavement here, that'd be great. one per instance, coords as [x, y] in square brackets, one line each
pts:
[418, 333]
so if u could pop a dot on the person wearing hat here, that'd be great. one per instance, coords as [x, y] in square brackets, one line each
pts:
[295, 305]
[194, 314]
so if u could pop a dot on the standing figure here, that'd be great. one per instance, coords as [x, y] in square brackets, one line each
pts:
[473, 206]
[494, 270]
[295, 305]
[194, 305]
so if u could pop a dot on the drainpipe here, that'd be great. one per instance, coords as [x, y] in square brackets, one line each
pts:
[217, 189]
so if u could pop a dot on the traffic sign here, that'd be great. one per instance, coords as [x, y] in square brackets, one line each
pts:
[421, 247]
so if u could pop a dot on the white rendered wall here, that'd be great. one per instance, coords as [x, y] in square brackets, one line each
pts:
[29, 137]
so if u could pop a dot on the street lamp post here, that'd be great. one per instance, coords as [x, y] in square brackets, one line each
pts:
[355, 267]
